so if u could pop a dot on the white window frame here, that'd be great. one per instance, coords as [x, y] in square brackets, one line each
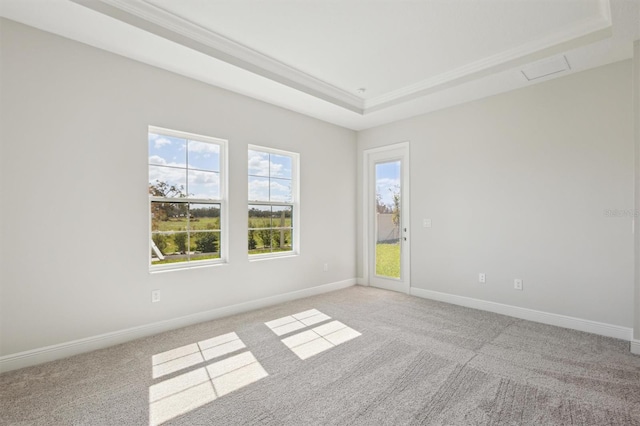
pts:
[222, 201]
[295, 203]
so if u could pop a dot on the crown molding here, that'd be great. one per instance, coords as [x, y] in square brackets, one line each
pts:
[163, 23]
[586, 33]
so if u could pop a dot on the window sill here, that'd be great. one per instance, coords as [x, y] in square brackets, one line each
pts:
[155, 269]
[269, 256]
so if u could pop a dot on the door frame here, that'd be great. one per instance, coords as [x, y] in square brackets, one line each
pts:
[368, 212]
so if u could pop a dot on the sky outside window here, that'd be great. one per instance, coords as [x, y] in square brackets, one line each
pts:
[270, 177]
[387, 181]
[192, 165]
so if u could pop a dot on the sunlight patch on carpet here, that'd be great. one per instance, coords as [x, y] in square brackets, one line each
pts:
[310, 342]
[232, 369]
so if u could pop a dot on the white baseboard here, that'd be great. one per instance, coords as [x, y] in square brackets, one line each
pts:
[635, 347]
[75, 347]
[594, 327]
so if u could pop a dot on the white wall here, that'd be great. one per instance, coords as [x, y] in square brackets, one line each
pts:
[517, 186]
[73, 188]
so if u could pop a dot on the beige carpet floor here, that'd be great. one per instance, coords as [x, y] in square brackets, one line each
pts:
[357, 356]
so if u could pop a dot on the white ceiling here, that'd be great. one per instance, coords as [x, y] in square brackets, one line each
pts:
[385, 45]
[312, 56]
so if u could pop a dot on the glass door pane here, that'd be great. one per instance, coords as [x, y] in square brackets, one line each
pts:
[387, 222]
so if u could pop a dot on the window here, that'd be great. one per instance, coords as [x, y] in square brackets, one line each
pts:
[187, 195]
[273, 201]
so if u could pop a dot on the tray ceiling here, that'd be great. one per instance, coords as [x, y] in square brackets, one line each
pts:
[316, 56]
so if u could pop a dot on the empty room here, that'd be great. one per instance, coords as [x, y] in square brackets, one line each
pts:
[309, 212]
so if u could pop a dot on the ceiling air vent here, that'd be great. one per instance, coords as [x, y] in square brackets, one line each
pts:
[546, 67]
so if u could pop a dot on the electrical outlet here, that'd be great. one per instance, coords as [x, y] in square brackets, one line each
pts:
[517, 284]
[482, 278]
[155, 296]
[325, 267]
[426, 223]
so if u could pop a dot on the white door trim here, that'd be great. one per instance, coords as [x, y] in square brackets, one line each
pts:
[367, 212]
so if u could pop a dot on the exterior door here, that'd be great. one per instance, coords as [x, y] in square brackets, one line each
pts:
[388, 217]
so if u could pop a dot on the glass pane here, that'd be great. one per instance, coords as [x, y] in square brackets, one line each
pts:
[388, 219]
[253, 240]
[258, 189]
[180, 242]
[280, 166]
[281, 240]
[172, 248]
[159, 248]
[203, 156]
[281, 190]
[167, 182]
[167, 150]
[281, 216]
[205, 245]
[204, 216]
[258, 163]
[204, 185]
[167, 217]
[263, 240]
[259, 216]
